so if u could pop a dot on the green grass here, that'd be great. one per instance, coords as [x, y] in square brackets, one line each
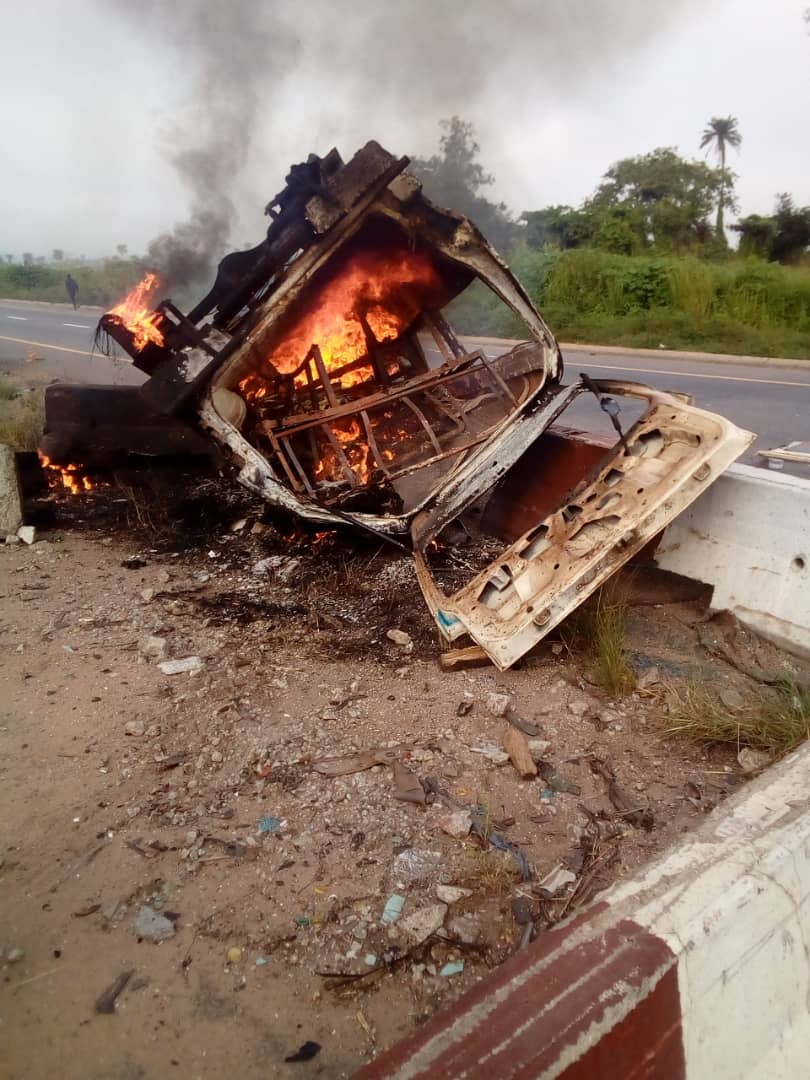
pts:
[775, 720]
[600, 628]
[739, 306]
[100, 284]
[22, 419]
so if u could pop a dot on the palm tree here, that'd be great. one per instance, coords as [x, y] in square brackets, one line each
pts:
[721, 132]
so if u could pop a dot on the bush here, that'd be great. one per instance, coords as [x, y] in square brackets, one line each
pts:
[102, 284]
[737, 305]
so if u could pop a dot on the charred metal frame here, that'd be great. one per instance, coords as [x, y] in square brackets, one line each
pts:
[666, 460]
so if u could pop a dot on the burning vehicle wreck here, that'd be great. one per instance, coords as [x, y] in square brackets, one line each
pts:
[324, 365]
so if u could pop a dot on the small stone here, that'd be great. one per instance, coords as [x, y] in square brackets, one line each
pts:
[154, 648]
[422, 923]
[556, 648]
[538, 748]
[648, 678]
[135, 728]
[285, 568]
[752, 761]
[491, 753]
[498, 704]
[164, 577]
[451, 894]
[152, 926]
[456, 824]
[465, 928]
[732, 699]
[12, 538]
[147, 595]
[216, 756]
[578, 708]
[192, 664]
[27, 533]
[399, 637]
[234, 954]
[415, 864]
[13, 956]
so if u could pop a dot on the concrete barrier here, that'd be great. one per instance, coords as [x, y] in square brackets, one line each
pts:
[698, 967]
[10, 501]
[749, 537]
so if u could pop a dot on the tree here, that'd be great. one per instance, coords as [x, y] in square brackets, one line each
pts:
[756, 235]
[658, 199]
[561, 227]
[784, 237]
[28, 258]
[792, 237]
[121, 249]
[455, 177]
[720, 133]
[58, 255]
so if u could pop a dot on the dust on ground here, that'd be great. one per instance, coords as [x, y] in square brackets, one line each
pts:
[139, 805]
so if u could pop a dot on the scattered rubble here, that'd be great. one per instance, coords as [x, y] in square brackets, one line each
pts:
[277, 831]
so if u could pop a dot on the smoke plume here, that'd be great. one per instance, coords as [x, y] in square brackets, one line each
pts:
[233, 53]
[355, 70]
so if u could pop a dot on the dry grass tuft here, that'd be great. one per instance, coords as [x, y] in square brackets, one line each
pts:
[490, 872]
[775, 720]
[22, 417]
[600, 627]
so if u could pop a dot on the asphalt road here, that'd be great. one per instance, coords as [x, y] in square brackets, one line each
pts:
[43, 342]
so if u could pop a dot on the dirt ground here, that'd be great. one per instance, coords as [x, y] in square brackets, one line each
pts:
[138, 804]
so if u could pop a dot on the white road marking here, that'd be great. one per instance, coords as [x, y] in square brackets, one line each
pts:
[57, 348]
[681, 374]
[19, 318]
[696, 375]
[78, 325]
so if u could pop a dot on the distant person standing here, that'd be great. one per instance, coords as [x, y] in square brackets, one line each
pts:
[72, 287]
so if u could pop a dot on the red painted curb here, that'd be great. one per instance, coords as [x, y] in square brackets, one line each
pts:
[594, 998]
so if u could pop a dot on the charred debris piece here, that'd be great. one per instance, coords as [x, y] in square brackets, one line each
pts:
[324, 367]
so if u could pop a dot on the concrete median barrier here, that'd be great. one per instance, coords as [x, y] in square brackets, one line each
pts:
[748, 536]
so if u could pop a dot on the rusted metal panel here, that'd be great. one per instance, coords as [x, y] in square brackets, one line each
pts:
[673, 453]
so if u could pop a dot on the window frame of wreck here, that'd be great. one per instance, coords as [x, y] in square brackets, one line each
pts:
[453, 242]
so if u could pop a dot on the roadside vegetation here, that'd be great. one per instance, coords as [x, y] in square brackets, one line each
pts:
[22, 416]
[775, 721]
[599, 629]
[101, 283]
[645, 261]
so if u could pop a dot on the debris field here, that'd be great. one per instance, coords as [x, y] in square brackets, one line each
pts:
[251, 823]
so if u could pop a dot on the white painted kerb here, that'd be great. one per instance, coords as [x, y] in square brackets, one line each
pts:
[732, 901]
[749, 537]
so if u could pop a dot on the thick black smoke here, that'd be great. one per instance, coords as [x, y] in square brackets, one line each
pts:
[371, 67]
[233, 52]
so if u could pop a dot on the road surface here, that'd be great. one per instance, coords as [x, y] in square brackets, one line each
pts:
[51, 341]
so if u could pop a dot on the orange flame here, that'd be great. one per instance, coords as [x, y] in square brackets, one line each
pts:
[389, 289]
[70, 477]
[134, 312]
[355, 449]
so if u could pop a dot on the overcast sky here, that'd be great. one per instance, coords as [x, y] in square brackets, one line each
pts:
[93, 102]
